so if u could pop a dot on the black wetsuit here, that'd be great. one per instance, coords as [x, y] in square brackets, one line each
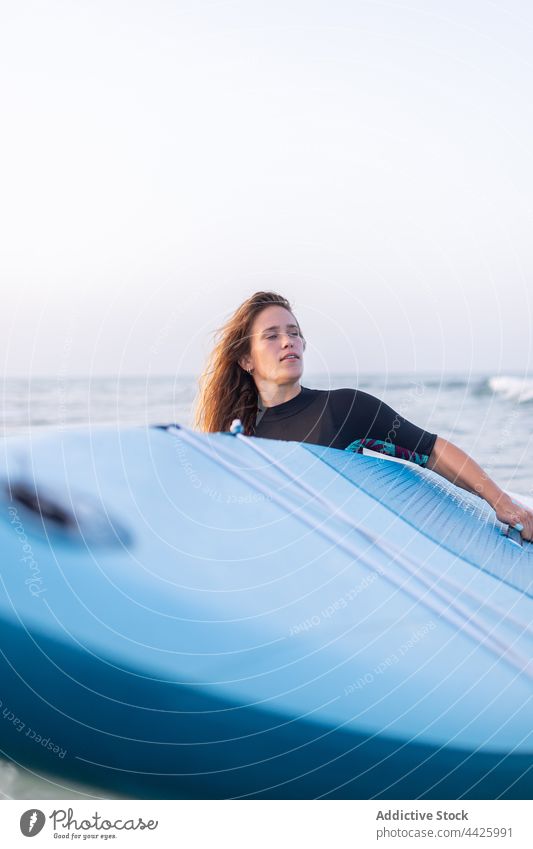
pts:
[348, 419]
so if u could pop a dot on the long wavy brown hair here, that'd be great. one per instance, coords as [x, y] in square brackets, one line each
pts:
[227, 391]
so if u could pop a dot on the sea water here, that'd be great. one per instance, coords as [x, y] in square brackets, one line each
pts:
[488, 416]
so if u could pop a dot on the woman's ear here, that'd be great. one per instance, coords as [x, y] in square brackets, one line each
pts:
[245, 363]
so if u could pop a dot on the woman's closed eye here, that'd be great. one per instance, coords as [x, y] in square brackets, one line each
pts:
[274, 335]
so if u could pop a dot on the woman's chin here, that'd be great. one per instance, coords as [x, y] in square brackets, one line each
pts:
[292, 374]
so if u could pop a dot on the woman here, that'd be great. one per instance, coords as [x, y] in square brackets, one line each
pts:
[254, 375]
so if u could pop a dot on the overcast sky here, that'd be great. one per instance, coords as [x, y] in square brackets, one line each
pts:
[163, 159]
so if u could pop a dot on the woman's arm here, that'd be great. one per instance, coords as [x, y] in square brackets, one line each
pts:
[456, 466]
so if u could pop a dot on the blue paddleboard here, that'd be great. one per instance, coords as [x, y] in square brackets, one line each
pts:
[214, 616]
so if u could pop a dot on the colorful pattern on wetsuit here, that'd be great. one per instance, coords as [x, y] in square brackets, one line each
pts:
[388, 448]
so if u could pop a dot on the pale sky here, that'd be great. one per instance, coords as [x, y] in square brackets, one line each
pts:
[163, 159]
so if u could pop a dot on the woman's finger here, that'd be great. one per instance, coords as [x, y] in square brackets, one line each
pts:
[528, 527]
[524, 523]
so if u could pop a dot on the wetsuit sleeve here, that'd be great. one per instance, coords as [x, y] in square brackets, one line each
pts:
[366, 422]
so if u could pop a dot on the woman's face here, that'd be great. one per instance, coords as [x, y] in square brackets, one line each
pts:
[276, 347]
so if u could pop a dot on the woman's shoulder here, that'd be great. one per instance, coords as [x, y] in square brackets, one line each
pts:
[342, 401]
[348, 394]
[353, 405]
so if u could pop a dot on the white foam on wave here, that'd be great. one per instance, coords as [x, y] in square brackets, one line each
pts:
[512, 388]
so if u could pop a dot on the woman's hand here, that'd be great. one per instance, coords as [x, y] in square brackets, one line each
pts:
[512, 513]
[456, 466]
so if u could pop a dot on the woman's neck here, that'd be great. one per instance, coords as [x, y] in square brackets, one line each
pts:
[271, 396]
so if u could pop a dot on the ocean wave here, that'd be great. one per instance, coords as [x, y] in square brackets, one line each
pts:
[511, 388]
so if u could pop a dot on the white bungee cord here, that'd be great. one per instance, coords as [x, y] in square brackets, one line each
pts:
[455, 614]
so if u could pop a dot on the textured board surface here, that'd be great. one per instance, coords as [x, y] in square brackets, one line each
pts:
[196, 617]
[459, 522]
